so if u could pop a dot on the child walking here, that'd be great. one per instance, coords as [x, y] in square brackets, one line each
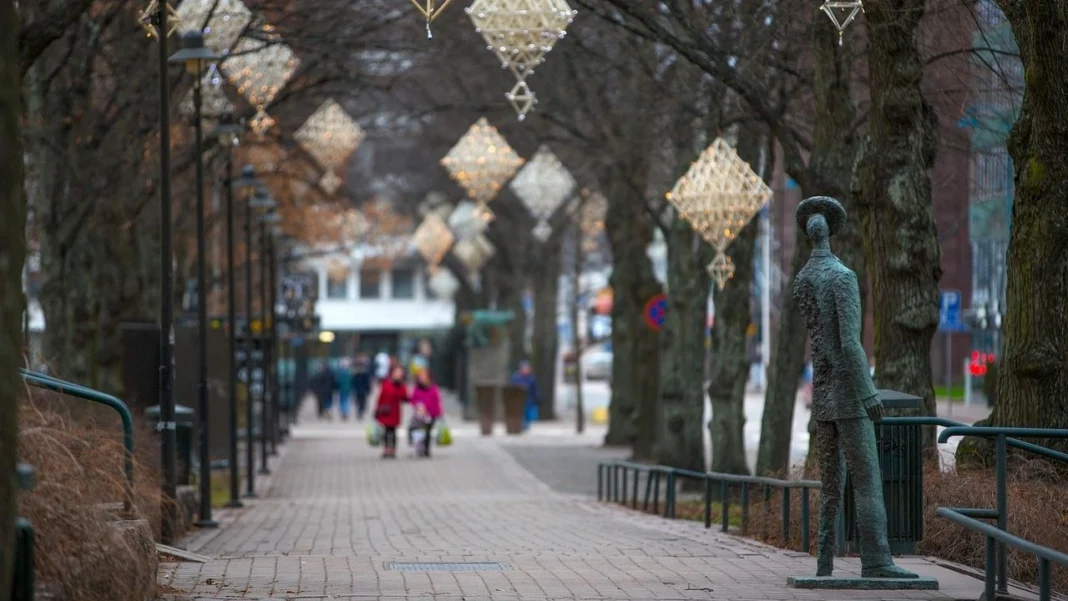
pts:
[426, 401]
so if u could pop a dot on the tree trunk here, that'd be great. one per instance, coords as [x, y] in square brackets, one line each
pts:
[635, 347]
[730, 364]
[680, 442]
[1032, 383]
[12, 301]
[546, 341]
[833, 155]
[893, 195]
[576, 334]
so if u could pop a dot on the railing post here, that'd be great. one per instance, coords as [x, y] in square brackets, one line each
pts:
[634, 492]
[708, 502]
[991, 569]
[725, 503]
[648, 489]
[623, 499]
[1001, 456]
[805, 544]
[656, 494]
[786, 517]
[600, 477]
[745, 507]
[615, 483]
[669, 496]
[1044, 589]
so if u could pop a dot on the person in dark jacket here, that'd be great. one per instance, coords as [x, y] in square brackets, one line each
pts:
[323, 386]
[362, 381]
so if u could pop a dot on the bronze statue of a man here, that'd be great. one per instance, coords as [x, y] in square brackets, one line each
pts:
[844, 399]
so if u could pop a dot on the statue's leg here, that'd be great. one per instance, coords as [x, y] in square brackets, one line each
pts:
[857, 437]
[832, 476]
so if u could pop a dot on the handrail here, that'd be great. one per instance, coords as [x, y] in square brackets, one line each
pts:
[946, 423]
[993, 534]
[610, 474]
[44, 381]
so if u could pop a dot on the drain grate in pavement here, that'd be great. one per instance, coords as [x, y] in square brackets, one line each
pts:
[446, 567]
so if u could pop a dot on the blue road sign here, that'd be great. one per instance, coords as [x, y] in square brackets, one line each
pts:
[949, 316]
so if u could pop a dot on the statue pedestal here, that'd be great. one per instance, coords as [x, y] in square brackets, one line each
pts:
[923, 583]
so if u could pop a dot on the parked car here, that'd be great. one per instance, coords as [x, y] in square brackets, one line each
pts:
[597, 364]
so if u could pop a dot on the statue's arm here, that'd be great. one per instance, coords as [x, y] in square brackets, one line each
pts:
[847, 305]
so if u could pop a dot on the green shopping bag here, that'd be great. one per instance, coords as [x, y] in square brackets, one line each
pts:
[444, 435]
[374, 435]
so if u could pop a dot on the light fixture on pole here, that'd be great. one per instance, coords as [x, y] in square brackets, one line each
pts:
[433, 239]
[481, 162]
[194, 55]
[430, 9]
[228, 133]
[543, 185]
[330, 136]
[520, 33]
[842, 13]
[718, 196]
[259, 69]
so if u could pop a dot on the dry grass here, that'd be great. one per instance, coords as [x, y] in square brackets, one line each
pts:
[76, 453]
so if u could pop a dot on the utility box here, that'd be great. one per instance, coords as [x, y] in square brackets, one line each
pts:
[900, 450]
[183, 434]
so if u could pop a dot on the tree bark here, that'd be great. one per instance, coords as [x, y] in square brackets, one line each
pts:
[833, 156]
[546, 341]
[893, 195]
[635, 347]
[12, 300]
[730, 364]
[1032, 383]
[680, 442]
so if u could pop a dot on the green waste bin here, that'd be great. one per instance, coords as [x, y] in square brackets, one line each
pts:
[183, 434]
[901, 463]
[23, 584]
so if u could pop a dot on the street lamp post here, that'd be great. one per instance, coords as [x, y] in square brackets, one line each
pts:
[266, 204]
[276, 414]
[193, 55]
[227, 132]
[267, 432]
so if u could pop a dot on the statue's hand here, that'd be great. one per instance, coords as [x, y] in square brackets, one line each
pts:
[875, 408]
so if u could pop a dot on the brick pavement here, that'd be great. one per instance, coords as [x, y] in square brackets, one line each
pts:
[334, 515]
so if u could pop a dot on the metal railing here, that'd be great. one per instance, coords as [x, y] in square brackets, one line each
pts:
[614, 480]
[47, 382]
[25, 543]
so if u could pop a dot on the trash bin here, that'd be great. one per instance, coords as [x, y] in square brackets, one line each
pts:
[486, 402]
[900, 450]
[183, 434]
[515, 407]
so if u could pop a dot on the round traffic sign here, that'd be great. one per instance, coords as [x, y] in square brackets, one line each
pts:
[656, 311]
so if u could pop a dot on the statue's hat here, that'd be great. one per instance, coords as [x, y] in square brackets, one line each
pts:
[830, 208]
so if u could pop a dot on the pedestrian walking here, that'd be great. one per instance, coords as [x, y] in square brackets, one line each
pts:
[392, 394]
[323, 386]
[382, 365]
[362, 381]
[525, 377]
[343, 377]
[426, 402]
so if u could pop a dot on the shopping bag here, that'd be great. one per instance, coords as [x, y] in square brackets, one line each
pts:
[374, 435]
[444, 435]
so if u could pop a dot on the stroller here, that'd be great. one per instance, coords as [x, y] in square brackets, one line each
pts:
[417, 431]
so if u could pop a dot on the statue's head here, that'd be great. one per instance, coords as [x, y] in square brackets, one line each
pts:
[820, 217]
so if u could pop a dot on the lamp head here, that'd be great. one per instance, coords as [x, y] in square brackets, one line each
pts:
[193, 53]
[228, 131]
[247, 181]
[261, 200]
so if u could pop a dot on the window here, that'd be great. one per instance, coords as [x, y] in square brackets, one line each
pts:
[404, 283]
[428, 290]
[370, 283]
[337, 283]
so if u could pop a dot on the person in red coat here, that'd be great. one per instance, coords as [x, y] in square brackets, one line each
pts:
[391, 396]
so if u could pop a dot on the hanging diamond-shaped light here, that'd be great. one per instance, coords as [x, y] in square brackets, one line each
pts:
[330, 135]
[433, 239]
[430, 9]
[543, 185]
[259, 69]
[352, 225]
[465, 221]
[443, 284]
[474, 252]
[481, 162]
[520, 33]
[719, 195]
[842, 13]
[222, 21]
[542, 231]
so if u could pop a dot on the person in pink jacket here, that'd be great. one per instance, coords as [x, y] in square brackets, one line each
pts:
[426, 402]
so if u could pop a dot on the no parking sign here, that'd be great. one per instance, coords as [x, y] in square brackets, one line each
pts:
[656, 311]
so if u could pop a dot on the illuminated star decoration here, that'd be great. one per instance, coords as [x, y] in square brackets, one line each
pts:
[148, 19]
[520, 33]
[481, 162]
[259, 69]
[433, 239]
[330, 135]
[842, 13]
[543, 185]
[430, 9]
[719, 195]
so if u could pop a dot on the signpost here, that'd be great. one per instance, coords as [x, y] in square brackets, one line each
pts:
[655, 312]
[950, 322]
